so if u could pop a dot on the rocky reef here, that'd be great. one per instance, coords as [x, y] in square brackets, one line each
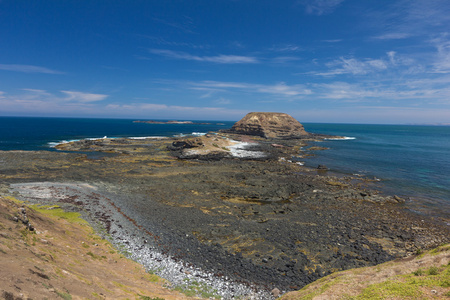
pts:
[269, 125]
[265, 222]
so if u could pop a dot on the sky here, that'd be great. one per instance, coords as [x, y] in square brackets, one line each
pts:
[324, 61]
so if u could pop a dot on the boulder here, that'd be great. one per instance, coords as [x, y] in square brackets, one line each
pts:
[269, 125]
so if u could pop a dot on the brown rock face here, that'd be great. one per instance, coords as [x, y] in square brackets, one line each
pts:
[269, 125]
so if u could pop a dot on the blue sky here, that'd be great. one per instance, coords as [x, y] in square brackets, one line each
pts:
[345, 61]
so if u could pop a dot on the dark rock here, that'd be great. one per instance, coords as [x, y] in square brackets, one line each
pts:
[8, 296]
[398, 199]
[187, 143]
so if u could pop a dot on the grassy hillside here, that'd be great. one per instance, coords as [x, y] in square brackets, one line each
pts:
[425, 276]
[59, 256]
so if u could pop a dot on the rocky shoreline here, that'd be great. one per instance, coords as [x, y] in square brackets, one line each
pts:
[251, 223]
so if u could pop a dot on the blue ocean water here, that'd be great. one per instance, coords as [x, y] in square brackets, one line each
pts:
[21, 133]
[410, 161]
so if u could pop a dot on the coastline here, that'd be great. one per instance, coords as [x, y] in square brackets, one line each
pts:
[255, 205]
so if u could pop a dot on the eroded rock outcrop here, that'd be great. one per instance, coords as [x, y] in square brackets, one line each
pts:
[269, 125]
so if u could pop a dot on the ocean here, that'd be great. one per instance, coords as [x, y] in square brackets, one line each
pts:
[410, 161]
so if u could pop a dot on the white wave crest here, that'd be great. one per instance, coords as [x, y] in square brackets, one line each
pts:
[198, 133]
[239, 150]
[341, 138]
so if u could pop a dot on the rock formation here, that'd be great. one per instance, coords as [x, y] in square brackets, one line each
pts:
[269, 125]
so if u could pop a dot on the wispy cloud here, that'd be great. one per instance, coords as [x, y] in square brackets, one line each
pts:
[36, 96]
[286, 48]
[70, 103]
[332, 41]
[83, 97]
[393, 36]
[284, 59]
[170, 111]
[28, 69]
[442, 60]
[418, 92]
[410, 18]
[165, 42]
[279, 89]
[354, 66]
[220, 59]
[320, 7]
[41, 102]
[392, 62]
[186, 24]
[222, 101]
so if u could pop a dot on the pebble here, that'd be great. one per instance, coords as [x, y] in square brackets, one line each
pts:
[275, 292]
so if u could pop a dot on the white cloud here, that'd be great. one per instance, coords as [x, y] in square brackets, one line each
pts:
[222, 101]
[393, 36]
[354, 66]
[403, 19]
[375, 115]
[171, 111]
[220, 59]
[419, 91]
[286, 48]
[28, 69]
[280, 89]
[442, 60]
[285, 59]
[43, 103]
[320, 7]
[83, 97]
[332, 41]
[37, 101]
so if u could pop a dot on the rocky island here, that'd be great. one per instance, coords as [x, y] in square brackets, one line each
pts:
[234, 210]
[269, 125]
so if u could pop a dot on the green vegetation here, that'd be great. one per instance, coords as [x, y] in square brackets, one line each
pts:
[410, 285]
[65, 296]
[322, 289]
[194, 288]
[142, 297]
[56, 211]
[152, 277]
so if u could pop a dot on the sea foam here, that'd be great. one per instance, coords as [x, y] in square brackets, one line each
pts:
[341, 138]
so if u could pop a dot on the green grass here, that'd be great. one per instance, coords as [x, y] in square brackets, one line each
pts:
[389, 289]
[57, 212]
[194, 288]
[322, 289]
[409, 286]
[142, 297]
[65, 296]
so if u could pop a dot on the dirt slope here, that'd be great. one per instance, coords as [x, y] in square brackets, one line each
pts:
[61, 257]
